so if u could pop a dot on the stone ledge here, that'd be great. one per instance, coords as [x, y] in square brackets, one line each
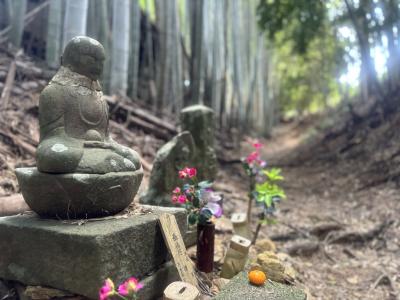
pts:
[77, 258]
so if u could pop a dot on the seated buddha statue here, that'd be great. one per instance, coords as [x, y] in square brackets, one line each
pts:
[73, 117]
[81, 172]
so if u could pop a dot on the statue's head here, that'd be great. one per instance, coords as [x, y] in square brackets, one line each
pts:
[199, 121]
[85, 56]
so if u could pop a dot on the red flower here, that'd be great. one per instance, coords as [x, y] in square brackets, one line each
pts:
[253, 156]
[182, 199]
[174, 198]
[192, 172]
[187, 172]
[107, 290]
[130, 287]
[182, 174]
[257, 145]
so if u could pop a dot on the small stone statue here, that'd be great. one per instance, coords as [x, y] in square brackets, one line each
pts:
[191, 148]
[81, 171]
[170, 158]
[73, 117]
[199, 121]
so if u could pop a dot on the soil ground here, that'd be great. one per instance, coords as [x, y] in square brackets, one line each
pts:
[319, 194]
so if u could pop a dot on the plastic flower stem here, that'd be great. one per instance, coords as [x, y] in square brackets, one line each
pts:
[119, 296]
[253, 242]
[252, 186]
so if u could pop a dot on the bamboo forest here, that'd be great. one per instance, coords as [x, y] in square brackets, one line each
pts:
[199, 149]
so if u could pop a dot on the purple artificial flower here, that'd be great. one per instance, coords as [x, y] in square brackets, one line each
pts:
[214, 208]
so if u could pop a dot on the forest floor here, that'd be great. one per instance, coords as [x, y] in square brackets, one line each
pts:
[343, 240]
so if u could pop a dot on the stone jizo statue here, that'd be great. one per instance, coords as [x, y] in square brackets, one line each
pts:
[76, 157]
[172, 157]
[73, 118]
[199, 121]
[191, 148]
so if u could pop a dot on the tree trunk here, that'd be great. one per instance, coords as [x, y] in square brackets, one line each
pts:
[54, 32]
[17, 22]
[196, 49]
[218, 46]
[75, 19]
[135, 49]
[178, 97]
[163, 12]
[92, 20]
[150, 56]
[120, 47]
[8, 7]
[103, 35]
[391, 15]
[368, 77]
[237, 61]
[253, 84]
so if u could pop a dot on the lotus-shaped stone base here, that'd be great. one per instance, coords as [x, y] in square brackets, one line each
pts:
[75, 195]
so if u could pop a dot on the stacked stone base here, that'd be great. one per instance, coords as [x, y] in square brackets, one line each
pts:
[77, 257]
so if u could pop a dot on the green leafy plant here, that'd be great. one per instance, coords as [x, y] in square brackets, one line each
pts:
[263, 187]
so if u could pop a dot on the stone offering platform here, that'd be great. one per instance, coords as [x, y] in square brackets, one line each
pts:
[239, 288]
[77, 256]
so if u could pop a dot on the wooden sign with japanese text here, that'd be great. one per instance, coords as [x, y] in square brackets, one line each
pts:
[176, 246]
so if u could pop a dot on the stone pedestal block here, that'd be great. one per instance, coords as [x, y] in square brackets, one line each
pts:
[78, 258]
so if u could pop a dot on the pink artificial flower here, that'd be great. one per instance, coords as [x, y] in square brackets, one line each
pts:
[182, 174]
[130, 286]
[107, 289]
[192, 172]
[253, 156]
[177, 190]
[257, 145]
[174, 198]
[182, 199]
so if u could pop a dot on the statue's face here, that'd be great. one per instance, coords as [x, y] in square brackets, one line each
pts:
[90, 65]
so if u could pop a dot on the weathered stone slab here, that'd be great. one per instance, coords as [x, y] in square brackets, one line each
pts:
[239, 288]
[200, 122]
[78, 258]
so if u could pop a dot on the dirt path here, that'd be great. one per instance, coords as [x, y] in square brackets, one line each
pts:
[365, 265]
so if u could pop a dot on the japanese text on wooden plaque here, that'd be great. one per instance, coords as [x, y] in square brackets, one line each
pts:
[176, 246]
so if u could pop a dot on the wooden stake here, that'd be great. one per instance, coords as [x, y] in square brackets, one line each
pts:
[241, 225]
[179, 290]
[176, 247]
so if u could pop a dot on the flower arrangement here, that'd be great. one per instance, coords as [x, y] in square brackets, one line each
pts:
[201, 202]
[263, 186]
[126, 290]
